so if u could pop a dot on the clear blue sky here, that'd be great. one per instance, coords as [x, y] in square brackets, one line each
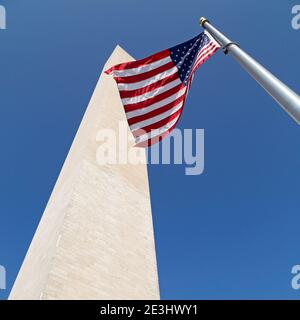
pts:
[232, 232]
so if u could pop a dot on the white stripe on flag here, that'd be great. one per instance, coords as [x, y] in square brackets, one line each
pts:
[141, 69]
[157, 118]
[212, 39]
[200, 61]
[151, 94]
[156, 132]
[154, 106]
[147, 82]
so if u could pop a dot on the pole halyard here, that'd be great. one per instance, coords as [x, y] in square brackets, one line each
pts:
[285, 97]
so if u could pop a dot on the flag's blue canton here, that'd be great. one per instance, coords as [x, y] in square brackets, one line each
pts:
[184, 55]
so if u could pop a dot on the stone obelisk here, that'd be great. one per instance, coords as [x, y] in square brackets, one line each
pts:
[95, 239]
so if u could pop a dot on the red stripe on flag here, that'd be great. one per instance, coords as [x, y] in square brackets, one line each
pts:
[158, 138]
[156, 85]
[139, 63]
[204, 58]
[204, 51]
[156, 112]
[157, 98]
[145, 75]
[155, 139]
[156, 125]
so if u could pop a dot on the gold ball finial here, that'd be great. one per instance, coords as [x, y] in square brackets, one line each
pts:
[202, 20]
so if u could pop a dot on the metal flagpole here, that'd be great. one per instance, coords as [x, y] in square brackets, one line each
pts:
[286, 97]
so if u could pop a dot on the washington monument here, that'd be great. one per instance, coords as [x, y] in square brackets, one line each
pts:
[95, 239]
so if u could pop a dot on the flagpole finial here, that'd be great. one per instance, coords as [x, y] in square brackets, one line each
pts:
[202, 20]
[286, 97]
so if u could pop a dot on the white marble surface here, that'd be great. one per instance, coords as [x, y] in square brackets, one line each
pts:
[95, 239]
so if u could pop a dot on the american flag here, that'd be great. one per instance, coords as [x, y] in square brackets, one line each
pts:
[153, 90]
